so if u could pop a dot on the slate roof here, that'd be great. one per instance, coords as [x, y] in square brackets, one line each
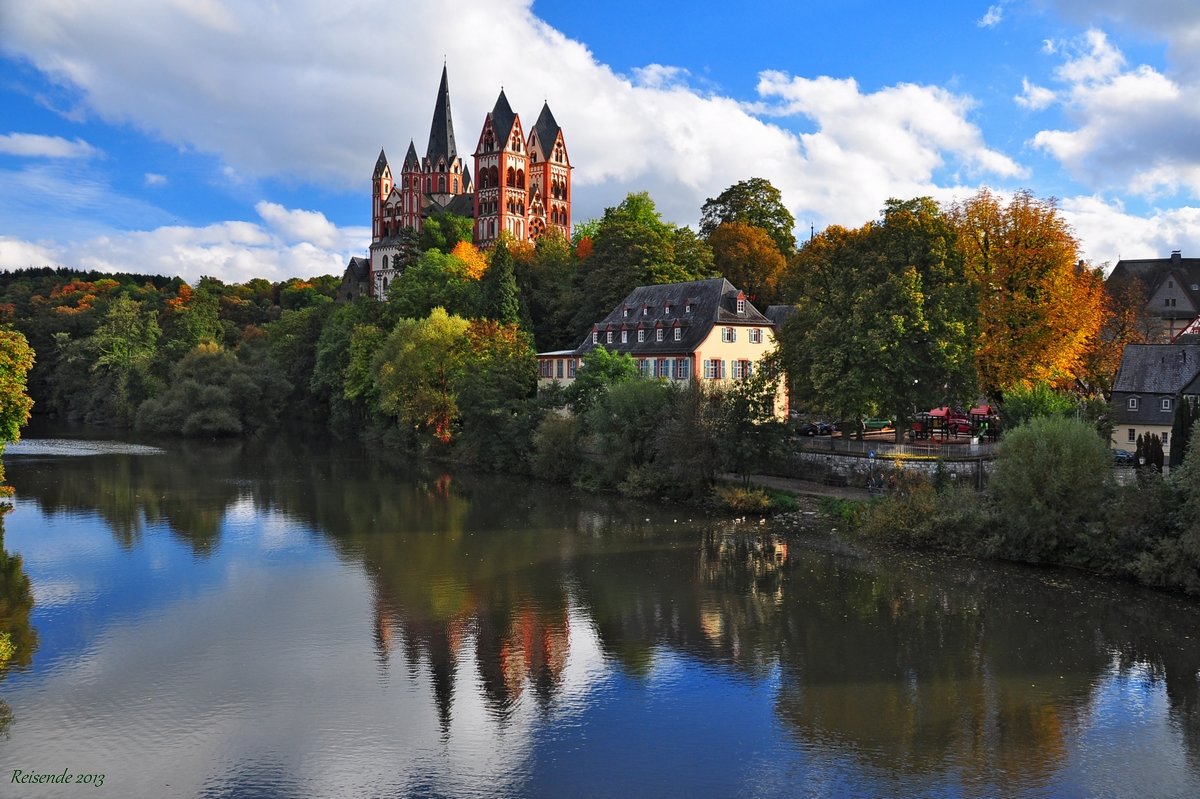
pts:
[380, 165]
[461, 204]
[502, 120]
[411, 162]
[546, 129]
[1150, 372]
[359, 268]
[466, 179]
[441, 132]
[713, 302]
[778, 314]
[1153, 271]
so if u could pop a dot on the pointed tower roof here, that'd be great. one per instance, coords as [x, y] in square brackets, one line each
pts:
[546, 128]
[411, 162]
[380, 165]
[466, 178]
[441, 132]
[502, 118]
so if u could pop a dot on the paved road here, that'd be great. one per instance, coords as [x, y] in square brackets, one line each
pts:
[803, 487]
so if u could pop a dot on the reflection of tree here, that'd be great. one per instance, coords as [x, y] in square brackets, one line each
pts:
[16, 603]
[188, 489]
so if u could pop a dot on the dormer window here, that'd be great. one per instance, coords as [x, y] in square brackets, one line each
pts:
[687, 308]
[624, 312]
[678, 333]
[624, 336]
[741, 305]
[595, 337]
[609, 340]
[667, 309]
[641, 336]
[1133, 403]
[658, 334]
[645, 310]
[1166, 403]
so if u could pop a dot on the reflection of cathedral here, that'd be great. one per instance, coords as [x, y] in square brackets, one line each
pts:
[522, 186]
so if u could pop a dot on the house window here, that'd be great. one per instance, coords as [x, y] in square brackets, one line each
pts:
[609, 339]
[624, 336]
[664, 367]
[559, 373]
[728, 334]
[1133, 403]
[646, 366]
[1166, 403]
[737, 370]
[755, 335]
[667, 310]
[624, 312]
[683, 368]
[714, 369]
[687, 308]
[658, 334]
[1166, 438]
[595, 336]
[1132, 435]
[571, 368]
[741, 306]
[678, 333]
[645, 310]
[641, 336]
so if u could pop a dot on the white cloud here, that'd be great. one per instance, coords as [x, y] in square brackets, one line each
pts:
[1134, 128]
[231, 251]
[154, 179]
[36, 145]
[1033, 97]
[1110, 233]
[992, 18]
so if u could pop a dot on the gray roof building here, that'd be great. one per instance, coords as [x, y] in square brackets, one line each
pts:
[1150, 373]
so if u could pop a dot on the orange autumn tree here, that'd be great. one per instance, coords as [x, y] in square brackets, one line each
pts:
[1040, 308]
[472, 258]
[748, 258]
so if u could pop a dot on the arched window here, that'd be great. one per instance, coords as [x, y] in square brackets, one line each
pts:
[429, 185]
[511, 177]
[495, 177]
[385, 262]
[442, 184]
[520, 178]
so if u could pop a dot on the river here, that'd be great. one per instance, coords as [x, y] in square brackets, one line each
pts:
[302, 619]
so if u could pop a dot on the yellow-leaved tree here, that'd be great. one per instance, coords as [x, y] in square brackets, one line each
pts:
[470, 255]
[16, 359]
[1040, 307]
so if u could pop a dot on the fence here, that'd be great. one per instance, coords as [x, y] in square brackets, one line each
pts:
[951, 449]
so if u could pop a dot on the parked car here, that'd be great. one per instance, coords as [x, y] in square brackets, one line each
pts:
[877, 424]
[1123, 457]
[815, 429]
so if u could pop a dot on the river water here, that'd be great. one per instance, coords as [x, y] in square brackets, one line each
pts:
[274, 619]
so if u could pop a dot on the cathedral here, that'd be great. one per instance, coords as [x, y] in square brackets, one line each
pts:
[522, 187]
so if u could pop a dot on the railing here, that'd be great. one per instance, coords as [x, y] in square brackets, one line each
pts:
[962, 448]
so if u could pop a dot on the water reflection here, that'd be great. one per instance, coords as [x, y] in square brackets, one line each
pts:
[912, 675]
[16, 603]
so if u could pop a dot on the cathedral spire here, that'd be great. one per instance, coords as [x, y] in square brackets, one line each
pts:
[380, 165]
[441, 132]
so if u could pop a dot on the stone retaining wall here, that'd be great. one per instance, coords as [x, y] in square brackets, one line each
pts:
[856, 470]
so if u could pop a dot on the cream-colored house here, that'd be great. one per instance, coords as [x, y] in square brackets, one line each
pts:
[1152, 380]
[700, 330]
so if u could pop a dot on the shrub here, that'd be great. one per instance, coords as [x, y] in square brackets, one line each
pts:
[1052, 478]
[556, 448]
[741, 499]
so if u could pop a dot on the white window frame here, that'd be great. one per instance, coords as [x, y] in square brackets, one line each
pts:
[1166, 403]
[658, 334]
[1133, 403]
[624, 336]
[741, 306]
[678, 334]
[595, 337]
[641, 336]
[609, 341]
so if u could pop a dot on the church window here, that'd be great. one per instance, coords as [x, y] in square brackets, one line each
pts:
[429, 185]
[442, 184]
[385, 262]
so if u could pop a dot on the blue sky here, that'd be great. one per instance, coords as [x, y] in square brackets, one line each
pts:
[237, 139]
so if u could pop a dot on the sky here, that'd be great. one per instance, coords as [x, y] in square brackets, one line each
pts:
[236, 138]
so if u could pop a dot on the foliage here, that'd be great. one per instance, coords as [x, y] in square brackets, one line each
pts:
[331, 368]
[621, 425]
[497, 418]
[1127, 320]
[752, 202]
[1040, 310]
[415, 370]
[1025, 402]
[634, 247]
[547, 292]
[1052, 478]
[215, 393]
[474, 262]
[741, 499]
[556, 453]
[885, 317]
[499, 298]
[436, 280]
[443, 231]
[598, 371]
[293, 341]
[748, 258]
[16, 359]
[1181, 431]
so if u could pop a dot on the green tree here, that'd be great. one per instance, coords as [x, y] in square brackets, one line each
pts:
[16, 359]
[546, 284]
[1051, 481]
[598, 371]
[1023, 403]
[436, 280]
[443, 230]
[499, 298]
[416, 369]
[885, 318]
[752, 202]
[622, 424]
[1181, 431]
[494, 391]
[125, 344]
[333, 359]
[634, 247]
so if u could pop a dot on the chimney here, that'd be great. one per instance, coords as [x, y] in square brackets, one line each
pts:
[1176, 256]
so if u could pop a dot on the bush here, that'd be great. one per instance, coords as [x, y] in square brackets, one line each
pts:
[1053, 476]
[556, 448]
[742, 500]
